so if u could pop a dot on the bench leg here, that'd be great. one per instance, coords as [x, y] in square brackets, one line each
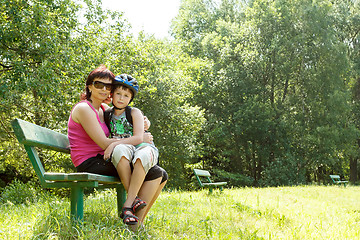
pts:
[77, 204]
[121, 197]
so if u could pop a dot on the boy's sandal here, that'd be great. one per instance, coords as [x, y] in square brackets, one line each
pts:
[138, 205]
[129, 219]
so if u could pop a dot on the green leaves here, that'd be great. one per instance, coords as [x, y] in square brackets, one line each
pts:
[246, 88]
[49, 47]
[276, 92]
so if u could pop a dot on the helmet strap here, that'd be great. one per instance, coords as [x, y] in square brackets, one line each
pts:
[117, 107]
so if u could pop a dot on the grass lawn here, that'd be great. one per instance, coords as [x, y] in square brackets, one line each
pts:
[302, 212]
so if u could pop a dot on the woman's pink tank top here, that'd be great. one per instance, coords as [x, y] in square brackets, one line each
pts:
[82, 147]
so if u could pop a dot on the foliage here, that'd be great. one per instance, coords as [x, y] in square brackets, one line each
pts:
[36, 53]
[282, 172]
[20, 193]
[246, 89]
[168, 94]
[42, 79]
[234, 179]
[277, 94]
[348, 13]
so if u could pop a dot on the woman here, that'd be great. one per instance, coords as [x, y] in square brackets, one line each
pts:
[88, 137]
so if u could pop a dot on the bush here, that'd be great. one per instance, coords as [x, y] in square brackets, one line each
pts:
[234, 179]
[18, 192]
[282, 172]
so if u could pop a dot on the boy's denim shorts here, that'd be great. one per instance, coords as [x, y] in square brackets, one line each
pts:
[147, 155]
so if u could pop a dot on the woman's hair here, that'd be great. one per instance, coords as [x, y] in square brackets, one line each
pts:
[102, 72]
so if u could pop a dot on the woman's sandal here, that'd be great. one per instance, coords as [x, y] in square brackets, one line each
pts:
[129, 219]
[138, 205]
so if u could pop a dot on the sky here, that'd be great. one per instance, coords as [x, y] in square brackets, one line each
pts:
[152, 16]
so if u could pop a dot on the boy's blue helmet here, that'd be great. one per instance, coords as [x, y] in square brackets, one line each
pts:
[127, 81]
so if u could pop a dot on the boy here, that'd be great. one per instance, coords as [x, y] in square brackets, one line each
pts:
[126, 122]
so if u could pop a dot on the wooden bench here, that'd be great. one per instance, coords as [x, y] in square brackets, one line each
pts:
[336, 179]
[32, 136]
[203, 174]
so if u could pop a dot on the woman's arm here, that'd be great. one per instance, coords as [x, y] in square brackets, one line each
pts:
[84, 115]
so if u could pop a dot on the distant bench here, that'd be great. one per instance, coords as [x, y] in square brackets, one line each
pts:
[336, 179]
[204, 174]
[31, 136]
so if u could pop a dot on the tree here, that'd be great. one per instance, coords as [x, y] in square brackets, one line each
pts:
[276, 89]
[45, 53]
[348, 29]
[34, 37]
[47, 50]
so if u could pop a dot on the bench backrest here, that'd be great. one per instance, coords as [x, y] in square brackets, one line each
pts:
[202, 173]
[32, 135]
[199, 173]
[335, 178]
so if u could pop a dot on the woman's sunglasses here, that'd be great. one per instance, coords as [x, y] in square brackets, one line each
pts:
[101, 85]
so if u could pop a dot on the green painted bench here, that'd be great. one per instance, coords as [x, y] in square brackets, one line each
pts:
[33, 136]
[205, 175]
[336, 179]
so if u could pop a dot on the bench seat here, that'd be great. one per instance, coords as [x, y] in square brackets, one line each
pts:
[215, 184]
[51, 176]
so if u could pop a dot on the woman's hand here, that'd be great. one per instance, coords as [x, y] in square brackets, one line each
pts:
[108, 151]
[148, 137]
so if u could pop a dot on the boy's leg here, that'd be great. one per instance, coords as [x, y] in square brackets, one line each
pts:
[121, 156]
[124, 170]
[144, 158]
[136, 180]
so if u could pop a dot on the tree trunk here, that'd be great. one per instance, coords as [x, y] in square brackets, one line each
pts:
[353, 170]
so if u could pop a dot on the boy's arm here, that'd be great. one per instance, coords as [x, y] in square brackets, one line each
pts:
[138, 126]
[147, 123]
